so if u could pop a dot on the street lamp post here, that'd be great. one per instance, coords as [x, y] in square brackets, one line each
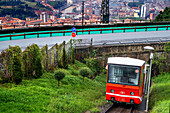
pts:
[82, 14]
[151, 57]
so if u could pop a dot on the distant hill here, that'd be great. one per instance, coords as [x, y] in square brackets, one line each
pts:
[20, 9]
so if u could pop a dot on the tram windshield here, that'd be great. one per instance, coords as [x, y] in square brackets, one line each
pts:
[120, 74]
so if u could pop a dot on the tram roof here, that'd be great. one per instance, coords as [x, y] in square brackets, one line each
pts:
[125, 61]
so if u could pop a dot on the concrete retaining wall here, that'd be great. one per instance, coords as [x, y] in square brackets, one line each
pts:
[127, 50]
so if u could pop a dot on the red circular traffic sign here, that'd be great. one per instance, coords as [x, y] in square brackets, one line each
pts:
[73, 34]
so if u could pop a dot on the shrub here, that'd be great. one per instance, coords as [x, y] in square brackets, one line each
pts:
[167, 47]
[17, 73]
[59, 75]
[85, 72]
[93, 64]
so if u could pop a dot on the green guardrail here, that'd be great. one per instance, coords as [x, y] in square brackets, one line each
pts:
[27, 35]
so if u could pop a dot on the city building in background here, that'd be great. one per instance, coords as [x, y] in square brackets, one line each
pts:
[43, 17]
[145, 11]
[71, 11]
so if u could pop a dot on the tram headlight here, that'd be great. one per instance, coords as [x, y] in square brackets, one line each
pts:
[131, 101]
[132, 93]
[112, 91]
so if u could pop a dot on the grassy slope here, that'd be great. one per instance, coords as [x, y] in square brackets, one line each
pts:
[43, 95]
[160, 94]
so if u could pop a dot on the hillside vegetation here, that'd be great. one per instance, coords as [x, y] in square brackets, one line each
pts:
[164, 16]
[135, 4]
[20, 9]
[43, 95]
[57, 4]
[160, 94]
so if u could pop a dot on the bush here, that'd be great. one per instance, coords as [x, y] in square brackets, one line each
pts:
[85, 72]
[93, 64]
[59, 75]
[167, 47]
[17, 73]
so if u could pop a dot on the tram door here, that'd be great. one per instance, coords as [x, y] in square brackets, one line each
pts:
[146, 78]
[142, 80]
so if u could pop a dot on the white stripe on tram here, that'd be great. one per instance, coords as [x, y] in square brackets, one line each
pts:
[125, 96]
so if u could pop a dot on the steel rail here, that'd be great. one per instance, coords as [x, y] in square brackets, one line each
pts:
[120, 108]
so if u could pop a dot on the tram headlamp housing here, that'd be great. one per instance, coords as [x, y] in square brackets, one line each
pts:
[112, 91]
[131, 101]
[132, 93]
[112, 98]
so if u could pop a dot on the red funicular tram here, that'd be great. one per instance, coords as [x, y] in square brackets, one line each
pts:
[125, 80]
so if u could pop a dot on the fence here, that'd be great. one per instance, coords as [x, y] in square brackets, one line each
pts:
[82, 31]
[54, 54]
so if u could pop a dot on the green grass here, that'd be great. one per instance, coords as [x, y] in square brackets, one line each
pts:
[43, 95]
[160, 94]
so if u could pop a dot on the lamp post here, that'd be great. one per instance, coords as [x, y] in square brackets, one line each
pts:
[82, 14]
[151, 49]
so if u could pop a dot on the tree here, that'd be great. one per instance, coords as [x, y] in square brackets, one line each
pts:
[64, 61]
[72, 56]
[85, 72]
[26, 6]
[163, 16]
[38, 67]
[30, 55]
[59, 75]
[8, 58]
[17, 73]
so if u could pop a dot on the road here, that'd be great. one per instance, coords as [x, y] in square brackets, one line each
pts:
[115, 38]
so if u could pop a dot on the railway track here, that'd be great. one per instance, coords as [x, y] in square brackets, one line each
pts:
[121, 108]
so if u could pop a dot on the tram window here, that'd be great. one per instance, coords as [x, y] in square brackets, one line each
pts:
[123, 74]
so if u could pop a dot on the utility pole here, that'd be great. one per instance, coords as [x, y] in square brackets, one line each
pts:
[82, 13]
[151, 49]
[105, 11]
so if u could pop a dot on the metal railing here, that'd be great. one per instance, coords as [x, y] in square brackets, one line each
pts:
[89, 31]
